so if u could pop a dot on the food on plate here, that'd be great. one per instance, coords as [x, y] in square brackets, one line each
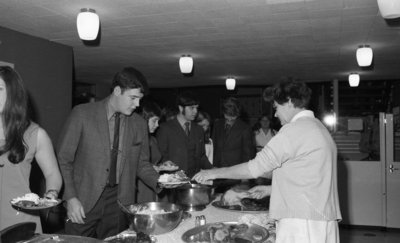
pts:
[32, 200]
[220, 233]
[143, 238]
[250, 204]
[152, 212]
[32, 197]
[167, 166]
[224, 232]
[233, 197]
[179, 176]
[237, 199]
[146, 210]
[133, 237]
[261, 219]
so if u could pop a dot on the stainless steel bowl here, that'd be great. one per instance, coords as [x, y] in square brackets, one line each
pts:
[192, 197]
[155, 223]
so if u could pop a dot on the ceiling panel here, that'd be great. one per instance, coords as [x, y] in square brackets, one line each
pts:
[257, 41]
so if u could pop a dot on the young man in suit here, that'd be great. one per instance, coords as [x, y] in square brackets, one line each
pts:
[100, 160]
[181, 140]
[232, 137]
[233, 141]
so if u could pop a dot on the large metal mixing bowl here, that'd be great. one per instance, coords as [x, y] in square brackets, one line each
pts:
[154, 223]
[192, 197]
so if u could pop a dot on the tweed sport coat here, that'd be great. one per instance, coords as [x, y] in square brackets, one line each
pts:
[84, 149]
[235, 147]
[188, 152]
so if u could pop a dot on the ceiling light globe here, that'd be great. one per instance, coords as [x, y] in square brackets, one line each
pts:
[88, 24]
[230, 83]
[364, 56]
[354, 79]
[186, 64]
[389, 9]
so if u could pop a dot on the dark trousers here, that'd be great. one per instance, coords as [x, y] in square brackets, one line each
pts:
[104, 220]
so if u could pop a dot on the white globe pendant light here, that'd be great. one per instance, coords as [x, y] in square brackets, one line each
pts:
[389, 9]
[186, 64]
[354, 79]
[364, 56]
[88, 24]
[230, 83]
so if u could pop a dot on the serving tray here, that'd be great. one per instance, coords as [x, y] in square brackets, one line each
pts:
[254, 233]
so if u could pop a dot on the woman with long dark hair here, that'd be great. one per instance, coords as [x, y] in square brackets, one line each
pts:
[21, 141]
[151, 112]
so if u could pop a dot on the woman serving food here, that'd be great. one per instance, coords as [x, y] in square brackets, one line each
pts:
[303, 158]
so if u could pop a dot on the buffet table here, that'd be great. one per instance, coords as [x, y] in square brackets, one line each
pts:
[212, 215]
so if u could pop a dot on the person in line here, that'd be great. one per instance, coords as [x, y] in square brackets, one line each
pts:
[303, 158]
[101, 160]
[232, 137]
[21, 141]
[168, 113]
[233, 140]
[204, 120]
[181, 140]
[151, 112]
[262, 132]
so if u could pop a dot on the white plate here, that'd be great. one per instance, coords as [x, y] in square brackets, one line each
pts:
[21, 205]
[167, 168]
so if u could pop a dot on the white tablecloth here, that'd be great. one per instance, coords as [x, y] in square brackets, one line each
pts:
[212, 215]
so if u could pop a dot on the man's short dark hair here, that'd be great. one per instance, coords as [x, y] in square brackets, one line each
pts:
[297, 92]
[130, 78]
[187, 99]
[231, 107]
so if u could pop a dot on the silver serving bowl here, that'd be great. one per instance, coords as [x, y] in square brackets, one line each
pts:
[192, 197]
[154, 223]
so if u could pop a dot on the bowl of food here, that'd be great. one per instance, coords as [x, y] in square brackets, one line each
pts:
[192, 197]
[154, 218]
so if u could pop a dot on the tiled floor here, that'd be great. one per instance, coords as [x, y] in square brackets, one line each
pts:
[360, 235]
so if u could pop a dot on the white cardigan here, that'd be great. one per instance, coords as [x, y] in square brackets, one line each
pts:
[302, 156]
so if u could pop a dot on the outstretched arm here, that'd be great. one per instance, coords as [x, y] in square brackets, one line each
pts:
[240, 171]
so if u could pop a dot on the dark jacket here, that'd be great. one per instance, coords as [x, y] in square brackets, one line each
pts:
[83, 153]
[235, 147]
[188, 152]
